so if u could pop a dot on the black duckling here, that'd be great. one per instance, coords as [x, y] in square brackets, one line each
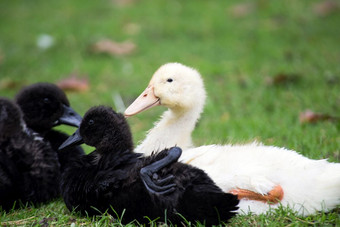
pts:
[10, 117]
[44, 106]
[114, 176]
[29, 167]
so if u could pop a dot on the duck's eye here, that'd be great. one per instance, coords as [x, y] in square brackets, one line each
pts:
[169, 80]
[47, 100]
[91, 122]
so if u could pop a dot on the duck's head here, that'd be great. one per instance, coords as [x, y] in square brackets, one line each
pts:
[102, 128]
[44, 106]
[173, 85]
[10, 118]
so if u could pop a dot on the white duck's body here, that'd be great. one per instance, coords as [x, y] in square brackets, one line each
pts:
[307, 185]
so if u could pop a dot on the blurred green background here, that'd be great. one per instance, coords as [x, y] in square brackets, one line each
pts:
[263, 62]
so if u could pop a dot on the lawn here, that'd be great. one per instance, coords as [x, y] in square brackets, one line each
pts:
[263, 62]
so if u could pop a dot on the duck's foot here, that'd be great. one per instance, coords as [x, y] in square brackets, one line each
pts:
[272, 197]
[150, 178]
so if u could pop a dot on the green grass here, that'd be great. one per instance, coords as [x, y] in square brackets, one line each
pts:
[236, 54]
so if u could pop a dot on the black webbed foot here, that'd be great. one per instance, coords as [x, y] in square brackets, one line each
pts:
[150, 178]
[163, 181]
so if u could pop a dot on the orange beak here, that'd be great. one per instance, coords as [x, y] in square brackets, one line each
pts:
[145, 101]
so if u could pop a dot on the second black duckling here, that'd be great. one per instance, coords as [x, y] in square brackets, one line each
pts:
[44, 106]
[114, 176]
[29, 168]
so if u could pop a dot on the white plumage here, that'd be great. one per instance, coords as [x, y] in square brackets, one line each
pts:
[308, 185]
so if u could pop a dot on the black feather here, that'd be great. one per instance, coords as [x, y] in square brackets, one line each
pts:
[30, 170]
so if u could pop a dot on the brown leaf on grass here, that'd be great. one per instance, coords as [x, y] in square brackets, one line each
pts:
[242, 9]
[283, 78]
[113, 48]
[123, 3]
[324, 8]
[74, 83]
[309, 116]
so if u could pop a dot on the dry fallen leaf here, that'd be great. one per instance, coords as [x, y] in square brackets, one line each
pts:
[113, 48]
[310, 117]
[74, 83]
[324, 8]
[242, 9]
[283, 78]
[123, 3]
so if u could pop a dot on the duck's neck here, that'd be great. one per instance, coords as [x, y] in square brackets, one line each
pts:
[120, 143]
[112, 153]
[173, 129]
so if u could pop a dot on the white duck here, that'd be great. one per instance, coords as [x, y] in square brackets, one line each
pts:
[263, 177]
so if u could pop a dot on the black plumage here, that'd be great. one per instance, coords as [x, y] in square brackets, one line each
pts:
[29, 168]
[44, 106]
[111, 176]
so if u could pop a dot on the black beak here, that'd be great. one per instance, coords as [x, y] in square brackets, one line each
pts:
[70, 117]
[72, 141]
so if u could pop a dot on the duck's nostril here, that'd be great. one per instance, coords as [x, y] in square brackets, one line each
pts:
[145, 95]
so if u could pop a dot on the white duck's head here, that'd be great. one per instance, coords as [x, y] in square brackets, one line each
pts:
[176, 86]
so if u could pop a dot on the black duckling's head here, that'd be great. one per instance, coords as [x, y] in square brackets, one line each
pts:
[44, 106]
[10, 118]
[103, 129]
